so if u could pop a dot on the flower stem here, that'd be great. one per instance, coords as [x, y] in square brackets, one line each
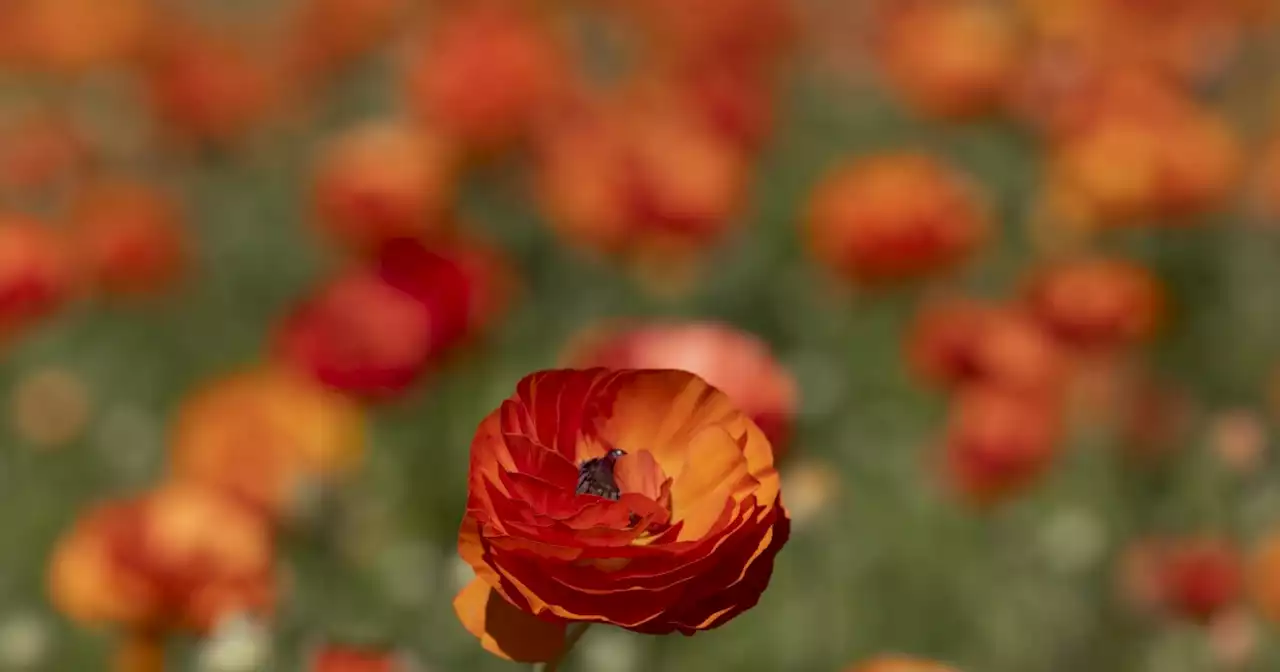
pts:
[575, 633]
[139, 651]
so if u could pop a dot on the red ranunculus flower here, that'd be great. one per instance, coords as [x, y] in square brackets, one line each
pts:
[382, 180]
[36, 275]
[358, 335]
[463, 284]
[1097, 303]
[895, 217]
[640, 498]
[130, 237]
[962, 342]
[998, 444]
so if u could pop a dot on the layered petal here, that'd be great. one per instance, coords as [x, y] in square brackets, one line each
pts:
[687, 543]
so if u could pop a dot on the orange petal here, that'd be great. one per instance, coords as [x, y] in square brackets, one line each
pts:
[719, 473]
[660, 411]
[640, 473]
[504, 630]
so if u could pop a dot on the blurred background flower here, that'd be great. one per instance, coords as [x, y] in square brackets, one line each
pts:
[994, 277]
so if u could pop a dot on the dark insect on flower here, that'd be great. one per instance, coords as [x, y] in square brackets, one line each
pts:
[595, 476]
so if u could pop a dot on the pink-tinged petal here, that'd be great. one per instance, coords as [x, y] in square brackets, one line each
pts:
[505, 630]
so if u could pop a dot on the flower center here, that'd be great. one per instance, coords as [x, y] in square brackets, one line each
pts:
[595, 476]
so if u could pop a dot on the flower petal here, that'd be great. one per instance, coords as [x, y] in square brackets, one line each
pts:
[505, 630]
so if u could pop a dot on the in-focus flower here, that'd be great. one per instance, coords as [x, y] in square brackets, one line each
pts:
[1097, 303]
[640, 178]
[950, 59]
[486, 73]
[735, 362]
[900, 664]
[958, 343]
[263, 435]
[998, 444]
[895, 217]
[179, 557]
[129, 237]
[383, 180]
[643, 499]
[36, 274]
[335, 657]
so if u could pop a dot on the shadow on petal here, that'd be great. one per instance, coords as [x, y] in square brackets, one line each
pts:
[505, 630]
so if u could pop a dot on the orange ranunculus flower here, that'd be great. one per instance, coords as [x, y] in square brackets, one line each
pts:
[959, 342]
[327, 34]
[748, 34]
[950, 60]
[640, 498]
[998, 443]
[734, 361]
[1097, 303]
[1111, 162]
[901, 664]
[209, 86]
[1264, 577]
[735, 103]
[129, 236]
[263, 434]
[36, 272]
[1184, 38]
[182, 556]
[895, 217]
[1265, 186]
[42, 152]
[633, 176]
[383, 180]
[75, 35]
[485, 72]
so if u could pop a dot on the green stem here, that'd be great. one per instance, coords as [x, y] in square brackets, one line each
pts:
[571, 638]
